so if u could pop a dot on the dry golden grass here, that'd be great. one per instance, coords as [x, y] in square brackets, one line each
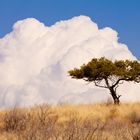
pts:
[72, 122]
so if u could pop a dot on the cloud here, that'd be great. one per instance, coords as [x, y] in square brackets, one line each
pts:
[34, 60]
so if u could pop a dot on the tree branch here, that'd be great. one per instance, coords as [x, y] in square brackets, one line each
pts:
[119, 96]
[99, 85]
[112, 79]
[116, 88]
[121, 79]
[107, 83]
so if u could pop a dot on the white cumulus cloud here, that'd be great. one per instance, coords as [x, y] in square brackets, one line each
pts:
[34, 60]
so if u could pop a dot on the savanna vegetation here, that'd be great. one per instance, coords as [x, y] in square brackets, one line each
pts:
[105, 73]
[71, 122]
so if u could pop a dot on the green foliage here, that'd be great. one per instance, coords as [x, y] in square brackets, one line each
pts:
[99, 69]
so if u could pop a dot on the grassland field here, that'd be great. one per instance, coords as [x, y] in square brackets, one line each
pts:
[71, 122]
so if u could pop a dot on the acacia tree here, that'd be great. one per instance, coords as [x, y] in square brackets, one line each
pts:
[105, 73]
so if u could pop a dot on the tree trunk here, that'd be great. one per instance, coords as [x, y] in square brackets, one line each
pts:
[114, 96]
[113, 93]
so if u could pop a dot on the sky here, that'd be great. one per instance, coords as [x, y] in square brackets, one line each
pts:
[121, 15]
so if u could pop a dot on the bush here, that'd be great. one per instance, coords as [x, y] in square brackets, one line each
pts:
[15, 120]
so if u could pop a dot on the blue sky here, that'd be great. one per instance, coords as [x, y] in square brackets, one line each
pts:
[121, 15]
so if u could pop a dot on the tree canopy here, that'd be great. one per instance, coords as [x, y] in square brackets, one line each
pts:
[112, 73]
